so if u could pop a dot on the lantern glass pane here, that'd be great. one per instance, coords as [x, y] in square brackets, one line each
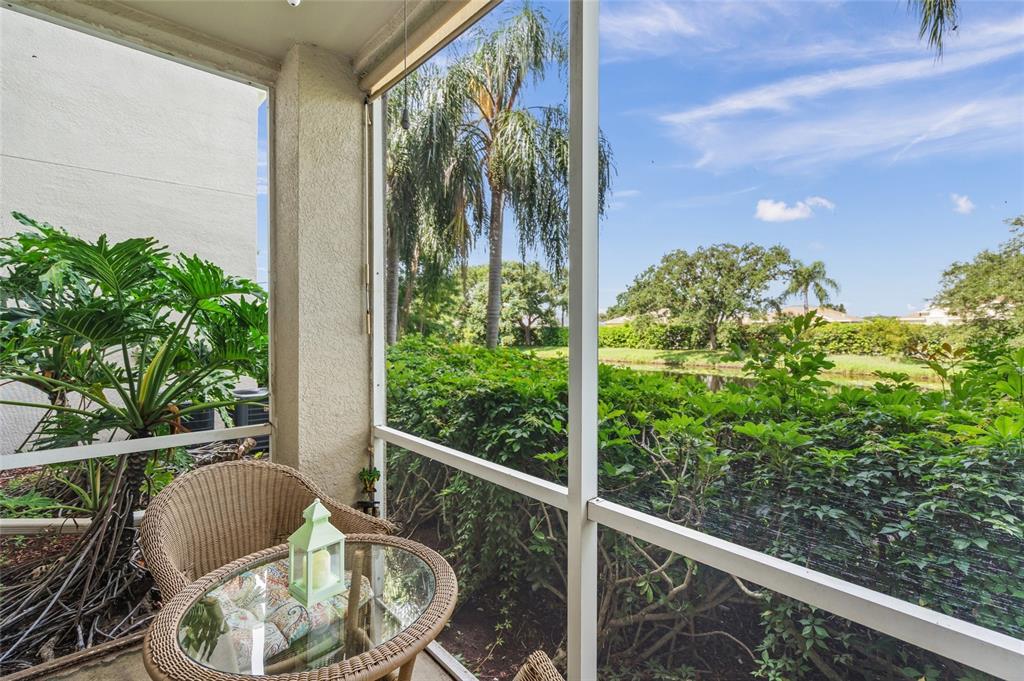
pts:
[337, 562]
[298, 575]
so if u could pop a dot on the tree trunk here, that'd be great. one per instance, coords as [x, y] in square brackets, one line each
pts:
[134, 477]
[392, 289]
[807, 301]
[410, 287]
[494, 268]
[713, 336]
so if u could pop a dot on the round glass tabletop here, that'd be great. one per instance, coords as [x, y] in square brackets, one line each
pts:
[248, 623]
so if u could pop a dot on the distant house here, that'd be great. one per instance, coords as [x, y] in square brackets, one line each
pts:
[827, 313]
[932, 316]
[663, 316]
[998, 308]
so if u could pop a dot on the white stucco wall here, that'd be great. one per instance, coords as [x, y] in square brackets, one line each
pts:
[100, 138]
[320, 384]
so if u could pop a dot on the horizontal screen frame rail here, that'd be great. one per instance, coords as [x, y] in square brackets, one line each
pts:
[41, 457]
[516, 481]
[973, 645]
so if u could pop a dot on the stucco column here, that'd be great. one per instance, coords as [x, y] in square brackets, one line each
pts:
[320, 351]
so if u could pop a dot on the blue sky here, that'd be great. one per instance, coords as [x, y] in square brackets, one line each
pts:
[824, 126]
[262, 199]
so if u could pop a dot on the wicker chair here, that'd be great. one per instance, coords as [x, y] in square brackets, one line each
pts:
[216, 514]
[538, 667]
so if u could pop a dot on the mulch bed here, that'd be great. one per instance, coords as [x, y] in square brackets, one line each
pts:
[474, 628]
[18, 550]
[471, 634]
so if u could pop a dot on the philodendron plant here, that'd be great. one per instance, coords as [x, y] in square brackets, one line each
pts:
[124, 339]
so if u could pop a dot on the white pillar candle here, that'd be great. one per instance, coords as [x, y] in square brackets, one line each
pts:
[322, 569]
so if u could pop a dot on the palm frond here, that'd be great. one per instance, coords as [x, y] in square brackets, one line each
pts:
[938, 18]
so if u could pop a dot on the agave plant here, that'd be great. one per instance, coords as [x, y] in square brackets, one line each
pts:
[123, 339]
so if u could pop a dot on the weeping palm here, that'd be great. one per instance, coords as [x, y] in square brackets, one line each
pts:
[435, 197]
[523, 152]
[805, 279]
[124, 341]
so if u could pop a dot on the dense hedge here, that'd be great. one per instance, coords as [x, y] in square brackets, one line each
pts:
[888, 337]
[675, 335]
[916, 494]
[879, 337]
[553, 336]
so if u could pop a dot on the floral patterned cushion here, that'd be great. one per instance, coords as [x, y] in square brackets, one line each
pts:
[259, 604]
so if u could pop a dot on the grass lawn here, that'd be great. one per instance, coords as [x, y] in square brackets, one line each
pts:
[709, 361]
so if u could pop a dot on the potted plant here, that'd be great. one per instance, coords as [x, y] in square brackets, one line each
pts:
[369, 477]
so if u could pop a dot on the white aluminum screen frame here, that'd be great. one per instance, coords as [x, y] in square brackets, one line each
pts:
[584, 144]
[42, 457]
[983, 649]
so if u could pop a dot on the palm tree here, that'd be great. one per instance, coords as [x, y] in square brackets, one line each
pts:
[803, 279]
[435, 194]
[938, 17]
[523, 152]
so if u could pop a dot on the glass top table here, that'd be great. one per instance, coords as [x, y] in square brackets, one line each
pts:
[241, 620]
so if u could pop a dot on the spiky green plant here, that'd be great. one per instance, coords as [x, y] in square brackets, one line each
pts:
[123, 340]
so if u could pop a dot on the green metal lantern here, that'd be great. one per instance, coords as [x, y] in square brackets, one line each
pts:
[316, 558]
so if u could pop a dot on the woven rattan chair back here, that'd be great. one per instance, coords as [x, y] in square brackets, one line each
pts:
[216, 514]
[538, 667]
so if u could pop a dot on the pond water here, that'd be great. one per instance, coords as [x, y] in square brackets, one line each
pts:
[714, 382]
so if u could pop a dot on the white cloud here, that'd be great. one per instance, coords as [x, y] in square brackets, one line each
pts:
[887, 127]
[860, 110]
[784, 94]
[769, 210]
[643, 28]
[778, 211]
[820, 202]
[872, 45]
[711, 199]
[620, 198]
[962, 204]
[631, 29]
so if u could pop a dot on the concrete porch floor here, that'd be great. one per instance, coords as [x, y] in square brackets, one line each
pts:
[127, 666]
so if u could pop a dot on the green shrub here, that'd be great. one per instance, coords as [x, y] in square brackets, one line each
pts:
[917, 494]
[677, 335]
[887, 337]
[883, 336]
[553, 336]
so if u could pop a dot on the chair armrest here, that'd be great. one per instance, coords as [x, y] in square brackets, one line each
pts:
[154, 544]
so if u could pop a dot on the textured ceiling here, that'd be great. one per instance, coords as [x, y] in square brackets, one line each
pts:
[270, 27]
